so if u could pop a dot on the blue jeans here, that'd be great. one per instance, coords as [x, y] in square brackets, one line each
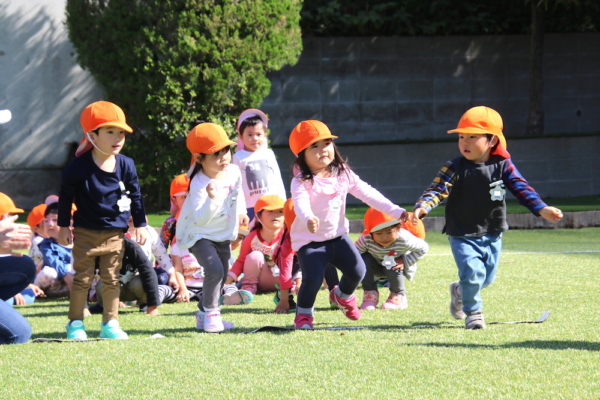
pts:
[477, 261]
[16, 273]
[315, 256]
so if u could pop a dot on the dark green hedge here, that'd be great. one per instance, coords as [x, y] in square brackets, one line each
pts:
[441, 17]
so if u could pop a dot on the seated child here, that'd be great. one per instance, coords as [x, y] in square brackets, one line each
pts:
[391, 252]
[138, 282]
[257, 163]
[265, 253]
[191, 272]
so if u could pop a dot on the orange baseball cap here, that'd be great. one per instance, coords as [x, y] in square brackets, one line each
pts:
[417, 229]
[179, 185]
[289, 214]
[307, 133]
[36, 216]
[483, 120]
[97, 115]
[375, 220]
[7, 205]
[207, 138]
[268, 202]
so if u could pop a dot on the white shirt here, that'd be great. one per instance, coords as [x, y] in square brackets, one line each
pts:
[214, 219]
[260, 174]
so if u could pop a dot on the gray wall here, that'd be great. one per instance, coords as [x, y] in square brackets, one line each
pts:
[44, 87]
[381, 89]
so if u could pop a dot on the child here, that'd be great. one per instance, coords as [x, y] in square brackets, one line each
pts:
[473, 185]
[320, 230]
[35, 220]
[389, 251]
[103, 184]
[210, 216]
[266, 255]
[260, 171]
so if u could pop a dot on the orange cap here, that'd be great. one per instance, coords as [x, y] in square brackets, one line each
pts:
[97, 115]
[207, 138]
[288, 213]
[307, 133]
[268, 202]
[7, 205]
[36, 216]
[482, 120]
[376, 220]
[417, 229]
[179, 184]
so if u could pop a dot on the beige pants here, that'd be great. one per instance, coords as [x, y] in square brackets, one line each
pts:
[107, 245]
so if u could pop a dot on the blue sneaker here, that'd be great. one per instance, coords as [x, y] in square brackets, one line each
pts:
[76, 330]
[112, 330]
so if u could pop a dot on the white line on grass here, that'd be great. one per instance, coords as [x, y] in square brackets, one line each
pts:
[506, 253]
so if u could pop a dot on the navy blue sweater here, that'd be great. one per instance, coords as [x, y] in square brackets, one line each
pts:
[95, 193]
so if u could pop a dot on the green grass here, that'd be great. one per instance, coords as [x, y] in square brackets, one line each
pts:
[394, 357]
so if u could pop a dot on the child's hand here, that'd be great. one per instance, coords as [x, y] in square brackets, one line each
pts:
[418, 214]
[313, 224]
[13, 236]
[399, 264]
[36, 290]
[243, 220]
[19, 300]
[283, 307]
[64, 236]
[183, 295]
[152, 310]
[173, 283]
[404, 217]
[229, 280]
[552, 214]
[140, 235]
[210, 189]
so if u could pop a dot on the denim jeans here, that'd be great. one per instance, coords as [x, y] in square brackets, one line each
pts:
[314, 257]
[477, 261]
[15, 274]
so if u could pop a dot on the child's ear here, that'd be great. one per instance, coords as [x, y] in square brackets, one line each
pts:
[494, 141]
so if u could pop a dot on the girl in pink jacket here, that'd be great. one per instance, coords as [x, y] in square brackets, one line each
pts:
[320, 230]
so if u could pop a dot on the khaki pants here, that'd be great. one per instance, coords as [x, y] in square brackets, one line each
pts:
[107, 245]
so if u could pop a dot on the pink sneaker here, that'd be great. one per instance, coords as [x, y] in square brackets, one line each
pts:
[396, 301]
[348, 306]
[370, 300]
[201, 322]
[303, 321]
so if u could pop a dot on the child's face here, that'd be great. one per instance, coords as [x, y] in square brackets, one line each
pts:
[475, 147]
[51, 225]
[253, 137]
[179, 199]
[212, 164]
[109, 139]
[386, 236]
[40, 229]
[272, 219]
[319, 154]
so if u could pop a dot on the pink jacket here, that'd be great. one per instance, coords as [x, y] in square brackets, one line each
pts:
[282, 254]
[326, 199]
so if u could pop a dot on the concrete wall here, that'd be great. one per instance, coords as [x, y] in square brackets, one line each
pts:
[44, 87]
[398, 88]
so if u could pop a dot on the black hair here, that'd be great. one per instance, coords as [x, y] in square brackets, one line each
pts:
[51, 209]
[337, 166]
[257, 224]
[253, 120]
[198, 166]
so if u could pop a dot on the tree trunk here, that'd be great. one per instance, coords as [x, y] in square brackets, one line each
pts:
[535, 123]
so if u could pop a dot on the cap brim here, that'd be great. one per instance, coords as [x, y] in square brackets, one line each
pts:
[473, 131]
[316, 140]
[384, 225]
[16, 210]
[219, 146]
[125, 127]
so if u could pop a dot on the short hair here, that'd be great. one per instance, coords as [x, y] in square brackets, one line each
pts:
[51, 209]
[252, 121]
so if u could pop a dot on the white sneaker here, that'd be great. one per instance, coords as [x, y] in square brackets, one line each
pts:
[201, 322]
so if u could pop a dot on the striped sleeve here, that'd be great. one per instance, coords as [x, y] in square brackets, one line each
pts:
[439, 188]
[519, 187]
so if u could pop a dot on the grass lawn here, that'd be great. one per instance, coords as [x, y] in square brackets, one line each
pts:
[395, 356]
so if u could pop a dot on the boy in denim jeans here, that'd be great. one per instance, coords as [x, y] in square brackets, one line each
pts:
[103, 184]
[474, 186]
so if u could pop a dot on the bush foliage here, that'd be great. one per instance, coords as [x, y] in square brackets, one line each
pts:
[171, 64]
[442, 17]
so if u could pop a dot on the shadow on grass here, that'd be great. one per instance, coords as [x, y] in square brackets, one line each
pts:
[528, 344]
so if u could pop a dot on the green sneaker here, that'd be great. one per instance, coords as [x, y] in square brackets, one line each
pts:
[76, 330]
[112, 330]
